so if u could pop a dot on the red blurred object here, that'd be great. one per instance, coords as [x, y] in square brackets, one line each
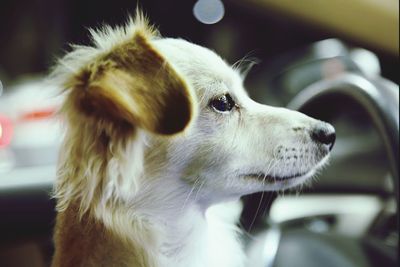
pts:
[6, 131]
[38, 114]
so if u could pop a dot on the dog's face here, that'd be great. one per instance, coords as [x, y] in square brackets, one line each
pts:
[236, 146]
[144, 110]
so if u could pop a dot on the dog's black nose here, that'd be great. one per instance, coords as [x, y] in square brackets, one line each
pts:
[324, 133]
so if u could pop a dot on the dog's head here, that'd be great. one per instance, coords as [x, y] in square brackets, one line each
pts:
[237, 146]
[146, 112]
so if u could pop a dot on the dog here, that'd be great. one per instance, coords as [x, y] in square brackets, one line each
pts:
[161, 140]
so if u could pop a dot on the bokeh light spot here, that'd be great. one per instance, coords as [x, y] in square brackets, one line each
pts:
[209, 11]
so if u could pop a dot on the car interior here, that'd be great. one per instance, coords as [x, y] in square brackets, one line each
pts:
[314, 59]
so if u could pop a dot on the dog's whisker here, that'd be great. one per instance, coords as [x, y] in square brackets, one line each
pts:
[198, 191]
[190, 193]
[270, 165]
[245, 64]
[267, 204]
[257, 210]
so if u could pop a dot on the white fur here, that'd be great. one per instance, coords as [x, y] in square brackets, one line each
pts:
[179, 190]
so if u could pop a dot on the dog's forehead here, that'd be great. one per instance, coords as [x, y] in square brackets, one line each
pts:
[189, 55]
[199, 64]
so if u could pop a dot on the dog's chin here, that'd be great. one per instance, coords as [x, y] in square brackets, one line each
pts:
[269, 179]
[269, 182]
[279, 182]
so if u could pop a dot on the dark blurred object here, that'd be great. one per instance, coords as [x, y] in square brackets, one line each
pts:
[312, 240]
[22, 254]
[379, 101]
[292, 71]
[32, 32]
[26, 226]
[310, 249]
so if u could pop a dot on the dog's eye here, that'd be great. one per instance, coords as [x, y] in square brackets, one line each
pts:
[223, 103]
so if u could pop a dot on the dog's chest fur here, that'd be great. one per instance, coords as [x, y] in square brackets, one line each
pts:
[205, 239]
[194, 239]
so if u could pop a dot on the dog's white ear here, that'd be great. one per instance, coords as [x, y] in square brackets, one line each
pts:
[134, 85]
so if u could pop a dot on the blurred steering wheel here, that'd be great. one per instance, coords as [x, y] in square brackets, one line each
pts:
[298, 247]
[379, 99]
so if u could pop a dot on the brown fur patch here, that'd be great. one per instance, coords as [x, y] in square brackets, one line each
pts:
[134, 84]
[86, 242]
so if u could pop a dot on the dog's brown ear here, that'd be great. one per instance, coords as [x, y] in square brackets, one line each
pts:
[134, 84]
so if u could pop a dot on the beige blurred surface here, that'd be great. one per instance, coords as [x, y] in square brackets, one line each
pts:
[373, 22]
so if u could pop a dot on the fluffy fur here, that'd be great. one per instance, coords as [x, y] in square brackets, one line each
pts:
[148, 169]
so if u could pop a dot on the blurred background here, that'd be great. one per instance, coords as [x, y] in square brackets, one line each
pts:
[335, 60]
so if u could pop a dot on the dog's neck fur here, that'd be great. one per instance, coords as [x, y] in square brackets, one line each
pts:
[162, 221]
[192, 233]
